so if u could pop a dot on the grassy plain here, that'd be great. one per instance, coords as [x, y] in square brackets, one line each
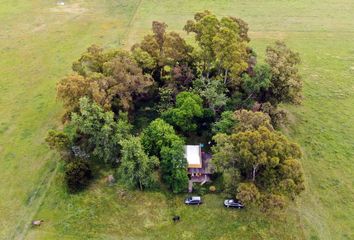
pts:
[39, 41]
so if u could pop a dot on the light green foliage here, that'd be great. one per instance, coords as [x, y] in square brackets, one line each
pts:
[58, 140]
[136, 168]
[248, 193]
[257, 84]
[159, 139]
[166, 99]
[184, 115]
[213, 91]
[264, 157]
[231, 179]
[286, 84]
[156, 135]
[103, 132]
[164, 48]
[230, 51]
[225, 124]
[144, 60]
[221, 45]
[174, 166]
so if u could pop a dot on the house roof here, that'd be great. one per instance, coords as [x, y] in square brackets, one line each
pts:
[193, 155]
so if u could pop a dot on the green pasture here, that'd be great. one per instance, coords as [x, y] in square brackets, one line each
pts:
[38, 42]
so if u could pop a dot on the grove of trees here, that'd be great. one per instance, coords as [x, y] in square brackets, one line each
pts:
[133, 111]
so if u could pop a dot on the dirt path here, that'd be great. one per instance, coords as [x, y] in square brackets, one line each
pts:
[35, 202]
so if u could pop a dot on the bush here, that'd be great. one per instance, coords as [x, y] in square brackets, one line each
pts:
[77, 175]
[212, 188]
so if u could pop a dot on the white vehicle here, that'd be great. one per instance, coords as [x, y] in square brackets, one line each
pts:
[194, 200]
[233, 203]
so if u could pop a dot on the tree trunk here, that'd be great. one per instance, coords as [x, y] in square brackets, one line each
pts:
[254, 173]
[225, 78]
[140, 186]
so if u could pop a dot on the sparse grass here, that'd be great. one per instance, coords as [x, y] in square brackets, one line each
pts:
[37, 48]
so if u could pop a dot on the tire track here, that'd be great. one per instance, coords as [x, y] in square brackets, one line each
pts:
[24, 224]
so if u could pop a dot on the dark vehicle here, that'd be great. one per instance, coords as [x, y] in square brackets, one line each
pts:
[233, 203]
[193, 200]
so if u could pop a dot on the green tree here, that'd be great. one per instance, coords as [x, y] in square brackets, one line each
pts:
[184, 115]
[222, 45]
[230, 51]
[257, 84]
[58, 140]
[264, 157]
[159, 139]
[205, 26]
[174, 166]
[77, 175]
[213, 91]
[248, 193]
[286, 83]
[249, 120]
[101, 130]
[164, 48]
[225, 124]
[136, 169]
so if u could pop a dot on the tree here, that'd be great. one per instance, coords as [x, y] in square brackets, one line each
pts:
[136, 169]
[70, 89]
[257, 84]
[205, 26]
[230, 51]
[77, 175]
[222, 45]
[249, 120]
[91, 61]
[248, 193]
[112, 78]
[188, 109]
[156, 135]
[58, 140]
[225, 124]
[101, 130]
[231, 179]
[278, 116]
[213, 91]
[159, 139]
[286, 83]
[174, 166]
[272, 201]
[164, 48]
[264, 157]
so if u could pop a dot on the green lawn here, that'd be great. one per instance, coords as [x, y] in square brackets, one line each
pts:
[39, 41]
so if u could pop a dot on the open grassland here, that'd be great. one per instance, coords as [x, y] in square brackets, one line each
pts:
[39, 41]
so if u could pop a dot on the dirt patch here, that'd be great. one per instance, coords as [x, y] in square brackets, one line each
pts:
[74, 8]
[39, 28]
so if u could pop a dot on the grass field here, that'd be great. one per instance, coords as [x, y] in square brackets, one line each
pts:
[38, 43]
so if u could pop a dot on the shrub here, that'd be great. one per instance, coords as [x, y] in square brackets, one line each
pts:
[212, 188]
[77, 175]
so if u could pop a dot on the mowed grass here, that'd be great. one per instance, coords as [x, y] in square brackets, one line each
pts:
[38, 43]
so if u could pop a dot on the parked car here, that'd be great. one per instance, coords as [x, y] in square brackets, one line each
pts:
[233, 203]
[195, 200]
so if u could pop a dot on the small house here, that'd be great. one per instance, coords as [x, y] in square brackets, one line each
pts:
[199, 167]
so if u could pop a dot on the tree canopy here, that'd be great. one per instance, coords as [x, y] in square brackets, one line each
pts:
[134, 110]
